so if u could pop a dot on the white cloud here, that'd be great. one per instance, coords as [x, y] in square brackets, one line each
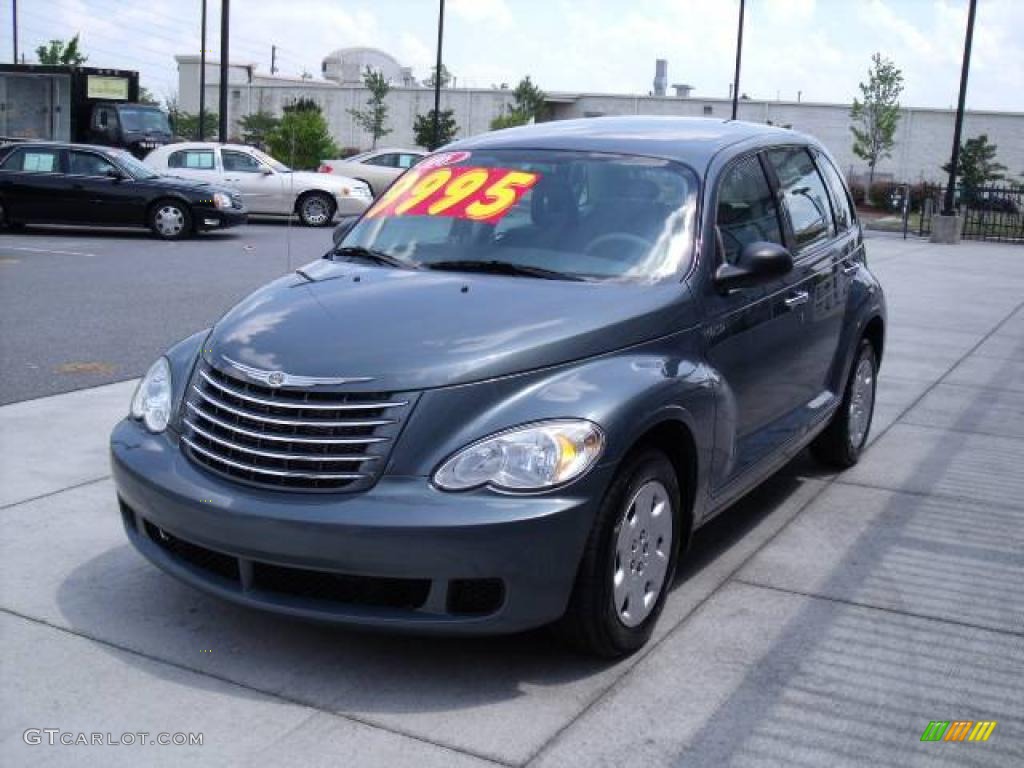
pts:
[483, 11]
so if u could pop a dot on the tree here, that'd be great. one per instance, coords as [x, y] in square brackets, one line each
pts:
[528, 103]
[374, 118]
[976, 165]
[59, 53]
[187, 125]
[876, 117]
[257, 127]
[301, 138]
[146, 97]
[446, 77]
[423, 129]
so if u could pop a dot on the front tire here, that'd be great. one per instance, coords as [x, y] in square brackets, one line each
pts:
[316, 209]
[843, 440]
[629, 561]
[170, 220]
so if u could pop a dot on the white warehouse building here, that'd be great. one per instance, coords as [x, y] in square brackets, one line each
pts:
[923, 139]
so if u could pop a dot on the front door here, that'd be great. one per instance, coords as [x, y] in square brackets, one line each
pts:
[755, 336]
[260, 186]
[98, 197]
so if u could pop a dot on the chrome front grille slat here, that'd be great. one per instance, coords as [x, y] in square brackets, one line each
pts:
[326, 457]
[317, 438]
[285, 438]
[290, 422]
[299, 405]
[273, 472]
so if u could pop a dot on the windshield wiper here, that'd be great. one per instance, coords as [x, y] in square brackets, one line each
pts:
[370, 254]
[499, 268]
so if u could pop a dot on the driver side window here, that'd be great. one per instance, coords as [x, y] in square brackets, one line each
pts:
[747, 212]
[239, 162]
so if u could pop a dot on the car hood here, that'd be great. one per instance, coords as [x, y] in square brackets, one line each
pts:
[333, 182]
[409, 330]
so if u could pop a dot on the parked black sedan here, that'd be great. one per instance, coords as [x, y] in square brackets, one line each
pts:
[53, 183]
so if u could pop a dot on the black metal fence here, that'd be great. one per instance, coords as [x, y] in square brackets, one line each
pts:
[989, 213]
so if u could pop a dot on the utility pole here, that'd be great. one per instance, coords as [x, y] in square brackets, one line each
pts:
[437, 77]
[202, 77]
[14, 19]
[947, 206]
[739, 54]
[273, 59]
[224, 23]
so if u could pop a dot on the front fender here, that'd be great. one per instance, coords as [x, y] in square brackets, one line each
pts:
[626, 393]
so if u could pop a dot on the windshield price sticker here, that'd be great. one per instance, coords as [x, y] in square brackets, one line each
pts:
[476, 194]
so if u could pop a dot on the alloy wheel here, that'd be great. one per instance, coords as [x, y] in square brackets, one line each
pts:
[862, 401]
[169, 220]
[314, 211]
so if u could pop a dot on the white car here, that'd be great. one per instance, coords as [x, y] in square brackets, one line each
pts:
[266, 186]
[378, 168]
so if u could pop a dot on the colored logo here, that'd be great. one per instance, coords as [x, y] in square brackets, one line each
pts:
[958, 730]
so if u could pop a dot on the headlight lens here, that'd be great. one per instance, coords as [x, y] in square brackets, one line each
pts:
[220, 200]
[530, 458]
[152, 400]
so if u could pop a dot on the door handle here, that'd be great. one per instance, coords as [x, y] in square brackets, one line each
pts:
[796, 299]
[851, 269]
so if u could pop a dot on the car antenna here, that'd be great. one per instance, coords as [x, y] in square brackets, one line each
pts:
[291, 196]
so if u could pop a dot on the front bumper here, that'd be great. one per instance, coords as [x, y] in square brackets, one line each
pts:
[408, 553]
[350, 205]
[220, 218]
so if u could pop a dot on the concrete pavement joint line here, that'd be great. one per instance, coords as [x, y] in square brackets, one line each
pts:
[70, 391]
[46, 250]
[883, 609]
[999, 505]
[251, 688]
[54, 493]
[649, 649]
[599, 696]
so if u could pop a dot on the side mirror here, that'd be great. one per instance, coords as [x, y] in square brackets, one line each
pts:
[266, 171]
[759, 263]
[115, 173]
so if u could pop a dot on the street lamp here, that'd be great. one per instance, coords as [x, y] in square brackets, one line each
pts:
[202, 76]
[947, 206]
[739, 54]
[437, 77]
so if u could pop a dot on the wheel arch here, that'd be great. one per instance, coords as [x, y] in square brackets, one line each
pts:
[874, 332]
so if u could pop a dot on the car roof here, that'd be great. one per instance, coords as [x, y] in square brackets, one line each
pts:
[58, 145]
[203, 145]
[692, 140]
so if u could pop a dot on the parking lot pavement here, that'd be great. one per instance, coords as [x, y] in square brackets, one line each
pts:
[824, 621]
[82, 307]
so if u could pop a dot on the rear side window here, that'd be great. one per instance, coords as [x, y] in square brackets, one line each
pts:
[192, 159]
[32, 161]
[840, 199]
[746, 209]
[804, 194]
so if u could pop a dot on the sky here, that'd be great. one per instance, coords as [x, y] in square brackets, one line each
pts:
[819, 49]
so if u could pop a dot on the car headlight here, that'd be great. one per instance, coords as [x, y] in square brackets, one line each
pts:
[152, 399]
[220, 200]
[529, 458]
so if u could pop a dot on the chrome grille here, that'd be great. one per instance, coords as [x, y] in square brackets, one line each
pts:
[288, 437]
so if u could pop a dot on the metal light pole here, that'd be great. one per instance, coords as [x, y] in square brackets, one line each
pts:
[14, 19]
[947, 205]
[202, 78]
[224, 23]
[437, 77]
[739, 54]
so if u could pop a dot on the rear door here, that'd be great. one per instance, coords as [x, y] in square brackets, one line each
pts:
[196, 164]
[32, 185]
[753, 336]
[817, 254]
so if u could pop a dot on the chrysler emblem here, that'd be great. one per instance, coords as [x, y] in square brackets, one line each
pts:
[282, 379]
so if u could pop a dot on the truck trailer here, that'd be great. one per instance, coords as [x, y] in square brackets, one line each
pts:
[79, 104]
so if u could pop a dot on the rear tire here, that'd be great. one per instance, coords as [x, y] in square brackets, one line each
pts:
[170, 220]
[629, 560]
[316, 209]
[843, 440]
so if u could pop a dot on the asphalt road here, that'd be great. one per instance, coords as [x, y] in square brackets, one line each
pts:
[83, 307]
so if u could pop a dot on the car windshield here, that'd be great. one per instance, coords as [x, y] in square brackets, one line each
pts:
[581, 215]
[144, 120]
[263, 157]
[134, 167]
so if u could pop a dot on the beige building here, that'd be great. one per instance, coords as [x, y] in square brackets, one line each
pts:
[923, 140]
